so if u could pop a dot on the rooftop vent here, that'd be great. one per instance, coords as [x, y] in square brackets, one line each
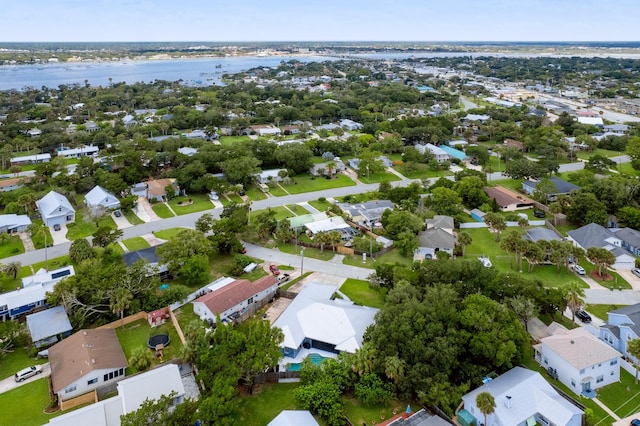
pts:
[507, 401]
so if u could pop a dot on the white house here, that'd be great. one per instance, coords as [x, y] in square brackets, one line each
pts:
[232, 298]
[582, 361]
[440, 154]
[100, 197]
[523, 397]
[32, 295]
[132, 392]
[315, 321]
[350, 125]
[83, 151]
[293, 418]
[267, 176]
[55, 209]
[85, 361]
[11, 223]
[31, 159]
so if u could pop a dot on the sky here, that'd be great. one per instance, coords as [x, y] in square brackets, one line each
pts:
[312, 20]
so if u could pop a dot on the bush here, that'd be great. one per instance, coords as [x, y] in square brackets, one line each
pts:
[141, 358]
[371, 390]
[322, 199]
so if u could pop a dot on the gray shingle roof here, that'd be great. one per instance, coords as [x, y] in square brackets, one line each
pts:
[436, 238]
[48, 323]
[591, 235]
[629, 235]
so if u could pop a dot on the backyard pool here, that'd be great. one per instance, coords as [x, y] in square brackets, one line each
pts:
[315, 358]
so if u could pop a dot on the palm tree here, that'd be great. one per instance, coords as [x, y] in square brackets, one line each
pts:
[394, 368]
[12, 269]
[464, 239]
[574, 298]
[330, 166]
[633, 347]
[486, 404]
[120, 301]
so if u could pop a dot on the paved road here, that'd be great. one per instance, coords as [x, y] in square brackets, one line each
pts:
[9, 383]
[611, 297]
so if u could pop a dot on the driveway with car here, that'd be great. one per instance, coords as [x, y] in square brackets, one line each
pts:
[59, 237]
[121, 221]
[10, 383]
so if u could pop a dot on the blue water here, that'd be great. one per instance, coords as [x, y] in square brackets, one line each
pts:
[315, 358]
[134, 71]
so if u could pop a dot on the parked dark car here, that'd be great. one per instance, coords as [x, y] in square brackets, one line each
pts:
[583, 316]
[539, 214]
[636, 272]
[56, 227]
[635, 422]
[117, 213]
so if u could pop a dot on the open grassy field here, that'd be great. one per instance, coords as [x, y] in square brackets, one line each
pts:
[308, 251]
[420, 171]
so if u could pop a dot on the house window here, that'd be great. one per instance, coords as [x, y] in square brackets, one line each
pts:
[106, 377]
[613, 362]
[573, 383]
[612, 372]
[600, 379]
[121, 371]
[582, 371]
[546, 361]
[70, 389]
[250, 300]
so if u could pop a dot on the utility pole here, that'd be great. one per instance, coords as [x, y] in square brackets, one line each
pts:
[301, 261]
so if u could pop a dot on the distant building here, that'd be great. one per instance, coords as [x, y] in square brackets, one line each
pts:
[83, 151]
[31, 159]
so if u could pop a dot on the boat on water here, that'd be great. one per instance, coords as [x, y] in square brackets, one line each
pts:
[219, 66]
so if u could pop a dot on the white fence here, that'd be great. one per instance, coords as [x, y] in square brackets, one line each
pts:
[484, 225]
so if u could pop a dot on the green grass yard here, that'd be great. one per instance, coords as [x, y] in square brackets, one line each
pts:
[265, 404]
[320, 205]
[84, 226]
[420, 171]
[308, 251]
[136, 243]
[11, 247]
[167, 234]
[25, 405]
[306, 183]
[15, 361]
[278, 191]
[136, 334]
[254, 193]
[162, 211]
[360, 293]
[600, 311]
[623, 398]
[190, 204]
[132, 217]
[378, 177]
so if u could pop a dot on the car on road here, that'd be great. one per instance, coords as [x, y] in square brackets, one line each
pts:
[579, 270]
[636, 272]
[583, 316]
[56, 227]
[28, 372]
[117, 213]
[283, 278]
[274, 269]
[635, 422]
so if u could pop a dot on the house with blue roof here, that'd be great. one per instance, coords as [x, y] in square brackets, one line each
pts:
[562, 187]
[55, 209]
[453, 153]
[49, 326]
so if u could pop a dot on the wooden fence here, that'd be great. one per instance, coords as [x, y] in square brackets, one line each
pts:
[126, 320]
[87, 398]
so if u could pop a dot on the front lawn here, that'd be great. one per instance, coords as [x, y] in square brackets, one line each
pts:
[254, 193]
[307, 183]
[623, 398]
[162, 211]
[378, 177]
[136, 243]
[322, 206]
[190, 204]
[12, 246]
[360, 293]
[167, 234]
[25, 405]
[84, 227]
[136, 334]
[43, 234]
[392, 256]
[298, 210]
[600, 311]
[50, 264]
[132, 217]
[308, 251]
[281, 213]
[277, 191]
[359, 414]
[417, 171]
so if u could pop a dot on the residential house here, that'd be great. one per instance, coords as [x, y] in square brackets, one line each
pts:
[30, 159]
[230, 299]
[482, 118]
[618, 129]
[334, 223]
[85, 361]
[453, 153]
[419, 418]
[512, 143]
[437, 237]
[622, 326]
[83, 151]
[368, 213]
[154, 189]
[91, 126]
[440, 154]
[523, 398]
[7, 185]
[100, 197]
[350, 125]
[148, 255]
[48, 326]
[267, 176]
[55, 209]
[132, 392]
[294, 418]
[508, 200]
[34, 133]
[316, 322]
[594, 235]
[562, 187]
[298, 222]
[629, 238]
[12, 223]
[338, 166]
[581, 361]
[591, 121]
[266, 130]
[188, 151]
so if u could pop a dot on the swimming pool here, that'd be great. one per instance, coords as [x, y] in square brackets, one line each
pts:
[315, 358]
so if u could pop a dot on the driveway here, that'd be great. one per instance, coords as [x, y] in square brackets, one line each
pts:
[144, 211]
[59, 237]
[633, 280]
[9, 383]
[121, 222]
